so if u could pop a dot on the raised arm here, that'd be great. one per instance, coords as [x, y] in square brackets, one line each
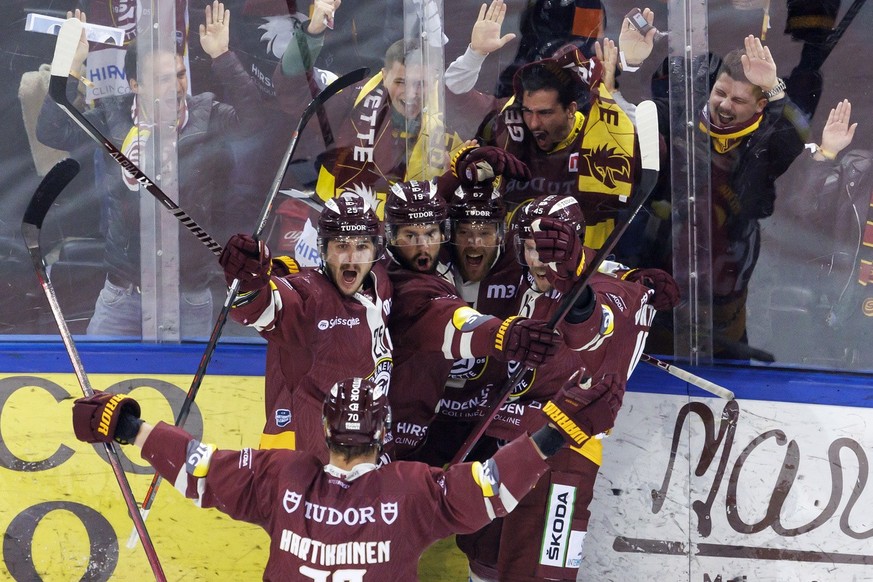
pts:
[485, 38]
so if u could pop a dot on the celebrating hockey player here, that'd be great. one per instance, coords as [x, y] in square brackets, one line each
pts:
[425, 303]
[321, 325]
[580, 390]
[346, 520]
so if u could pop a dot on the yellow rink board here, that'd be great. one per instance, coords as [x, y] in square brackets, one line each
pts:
[62, 511]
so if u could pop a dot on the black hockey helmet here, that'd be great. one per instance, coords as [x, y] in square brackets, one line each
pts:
[414, 202]
[349, 215]
[563, 208]
[356, 413]
[481, 203]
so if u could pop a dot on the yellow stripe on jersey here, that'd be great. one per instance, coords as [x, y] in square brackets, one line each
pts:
[283, 440]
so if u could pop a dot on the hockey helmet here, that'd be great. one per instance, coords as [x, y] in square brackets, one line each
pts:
[356, 413]
[481, 203]
[563, 208]
[414, 202]
[349, 215]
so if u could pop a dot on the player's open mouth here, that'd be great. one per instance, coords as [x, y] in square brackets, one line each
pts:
[349, 276]
[422, 261]
[475, 260]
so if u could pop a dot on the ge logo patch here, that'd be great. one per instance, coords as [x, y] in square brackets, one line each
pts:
[283, 417]
[868, 307]
[323, 324]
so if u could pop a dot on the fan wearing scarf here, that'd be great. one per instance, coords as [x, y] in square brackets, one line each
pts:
[756, 133]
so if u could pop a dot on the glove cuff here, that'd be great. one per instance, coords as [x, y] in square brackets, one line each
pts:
[565, 424]
[458, 156]
[500, 336]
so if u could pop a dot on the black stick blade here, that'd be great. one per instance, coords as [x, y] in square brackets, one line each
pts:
[48, 190]
[338, 85]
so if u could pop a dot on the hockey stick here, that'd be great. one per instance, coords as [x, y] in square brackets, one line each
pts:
[318, 102]
[49, 189]
[647, 131]
[692, 379]
[65, 51]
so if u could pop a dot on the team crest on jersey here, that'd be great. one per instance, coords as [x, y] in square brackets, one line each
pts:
[381, 375]
[608, 166]
[389, 512]
[468, 368]
[283, 417]
[607, 325]
[524, 384]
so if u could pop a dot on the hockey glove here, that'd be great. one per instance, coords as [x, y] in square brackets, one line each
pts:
[667, 293]
[559, 247]
[248, 260]
[527, 341]
[582, 410]
[488, 162]
[104, 417]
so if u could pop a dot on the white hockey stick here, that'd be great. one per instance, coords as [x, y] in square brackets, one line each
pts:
[692, 379]
[49, 189]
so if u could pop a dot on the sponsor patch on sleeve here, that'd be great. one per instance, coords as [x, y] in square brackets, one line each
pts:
[487, 477]
[467, 319]
[197, 458]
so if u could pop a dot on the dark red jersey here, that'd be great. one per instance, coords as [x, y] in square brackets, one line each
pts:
[431, 327]
[315, 338]
[608, 345]
[325, 523]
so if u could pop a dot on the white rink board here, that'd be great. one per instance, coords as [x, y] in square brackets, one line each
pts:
[785, 493]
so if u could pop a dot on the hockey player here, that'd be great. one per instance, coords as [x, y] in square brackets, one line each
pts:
[430, 324]
[320, 324]
[580, 390]
[346, 520]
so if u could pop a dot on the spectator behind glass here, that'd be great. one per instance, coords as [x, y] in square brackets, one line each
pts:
[755, 132]
[203, 126]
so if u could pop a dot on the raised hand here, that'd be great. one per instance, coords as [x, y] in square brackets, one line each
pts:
[608, 55]
[322, 15]
[485, 37]
[215, 33]
[758, 64]
[837, 133]
[635, 46]
[82, 48]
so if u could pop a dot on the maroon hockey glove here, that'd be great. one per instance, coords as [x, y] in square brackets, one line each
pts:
[666, 290]
[488, 162]
[582, 409]
[248, 260]
[528, 341]
[104, 417]
[559, 247]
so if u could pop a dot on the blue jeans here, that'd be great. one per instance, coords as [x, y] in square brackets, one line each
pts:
[118, 312]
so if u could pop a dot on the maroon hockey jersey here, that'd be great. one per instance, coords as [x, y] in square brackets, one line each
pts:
[315, 338]
[367, 524]
[431, 327]
[608, 345]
